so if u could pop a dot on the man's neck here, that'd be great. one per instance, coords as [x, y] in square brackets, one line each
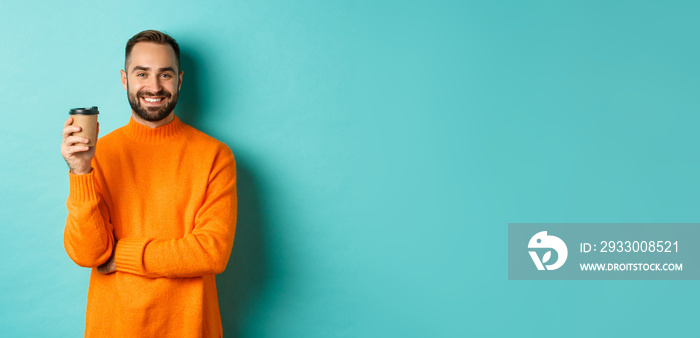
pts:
[154, 124]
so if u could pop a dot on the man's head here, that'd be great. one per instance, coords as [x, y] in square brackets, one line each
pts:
[152, 75]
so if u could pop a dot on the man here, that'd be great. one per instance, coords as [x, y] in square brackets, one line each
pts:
[151, 208]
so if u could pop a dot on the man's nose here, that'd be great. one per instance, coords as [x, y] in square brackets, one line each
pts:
[154, 84]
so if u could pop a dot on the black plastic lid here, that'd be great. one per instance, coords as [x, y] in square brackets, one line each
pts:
[84, 111]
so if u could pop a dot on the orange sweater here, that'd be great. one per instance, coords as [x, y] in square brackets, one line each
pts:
[167, 198]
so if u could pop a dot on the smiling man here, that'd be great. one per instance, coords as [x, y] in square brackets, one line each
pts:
[151, 208]
[152, 99]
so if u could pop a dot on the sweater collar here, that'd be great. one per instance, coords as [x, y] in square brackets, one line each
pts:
[140, 132]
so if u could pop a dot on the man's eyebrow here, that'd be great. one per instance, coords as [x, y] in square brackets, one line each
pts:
[164, 69]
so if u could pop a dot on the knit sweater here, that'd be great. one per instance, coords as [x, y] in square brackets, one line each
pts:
[165, 200]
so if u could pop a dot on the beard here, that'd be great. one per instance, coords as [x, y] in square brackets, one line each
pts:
[152, 114]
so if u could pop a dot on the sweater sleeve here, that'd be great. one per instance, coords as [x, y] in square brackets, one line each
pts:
[204, 251]
[88, 237]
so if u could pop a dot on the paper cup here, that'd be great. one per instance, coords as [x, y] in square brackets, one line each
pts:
[86, 118]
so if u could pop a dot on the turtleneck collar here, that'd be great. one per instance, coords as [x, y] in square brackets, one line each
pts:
[142, 133]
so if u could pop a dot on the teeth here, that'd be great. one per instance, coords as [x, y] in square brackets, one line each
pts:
[152, 100]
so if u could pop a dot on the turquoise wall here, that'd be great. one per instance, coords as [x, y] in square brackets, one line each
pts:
[382, 149]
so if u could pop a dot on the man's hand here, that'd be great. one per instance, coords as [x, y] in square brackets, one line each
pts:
[108, 266]
[75, 150]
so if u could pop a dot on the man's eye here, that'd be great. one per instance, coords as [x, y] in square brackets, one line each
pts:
[166, 75]
[141, 75]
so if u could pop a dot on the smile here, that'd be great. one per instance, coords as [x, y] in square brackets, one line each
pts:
[149, 99]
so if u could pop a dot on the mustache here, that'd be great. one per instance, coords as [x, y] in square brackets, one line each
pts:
[159, 93]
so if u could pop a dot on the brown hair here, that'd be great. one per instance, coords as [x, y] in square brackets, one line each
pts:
[155, 37]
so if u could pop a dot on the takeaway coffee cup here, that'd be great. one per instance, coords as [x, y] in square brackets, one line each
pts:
[86, 119]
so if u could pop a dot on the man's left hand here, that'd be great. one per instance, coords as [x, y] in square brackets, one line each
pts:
[108, 266]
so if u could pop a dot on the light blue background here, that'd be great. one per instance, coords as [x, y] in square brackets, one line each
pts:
[382, 149]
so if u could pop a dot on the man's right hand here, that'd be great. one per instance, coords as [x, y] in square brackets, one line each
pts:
[75, 150]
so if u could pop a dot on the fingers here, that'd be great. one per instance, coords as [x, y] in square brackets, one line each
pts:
[69, 121]
[74, 144]
[70, 150]
[69, 129]
[72, 140]
[69, 154]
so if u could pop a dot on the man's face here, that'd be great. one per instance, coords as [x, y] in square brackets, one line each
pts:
[151, 80]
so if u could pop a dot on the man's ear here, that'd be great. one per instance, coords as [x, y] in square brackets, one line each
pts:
[180, 84]
[123, 78]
